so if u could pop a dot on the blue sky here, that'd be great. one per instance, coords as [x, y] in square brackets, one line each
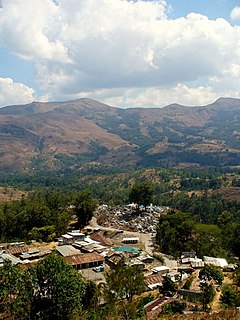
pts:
[212, 8]
[124, 53]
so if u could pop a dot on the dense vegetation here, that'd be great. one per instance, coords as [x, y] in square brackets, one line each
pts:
[53, 290]
[178, 232]
[44, 215]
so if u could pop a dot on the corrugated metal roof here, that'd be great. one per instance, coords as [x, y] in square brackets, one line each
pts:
[17, 249]
[126, 249]
[100, 238]
[67, 250]
[153, 279]
[84, 258]
[6, 256]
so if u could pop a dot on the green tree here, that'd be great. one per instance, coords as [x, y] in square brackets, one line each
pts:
[175, 233]
[230, 297]
[141, 193]
[173, 307]
[224, 219]
[168, 287]
[207, 295]
[16, 291]
[123, 282]
[59, 289]
[236, 240]
[210, 272]
[84, 207]
[236, 277]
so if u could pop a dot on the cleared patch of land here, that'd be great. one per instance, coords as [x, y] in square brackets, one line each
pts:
[229, 193]
[10, 194]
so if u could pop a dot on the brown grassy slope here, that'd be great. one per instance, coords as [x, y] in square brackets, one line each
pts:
[223, 315]
[10, 194]
[44, 130]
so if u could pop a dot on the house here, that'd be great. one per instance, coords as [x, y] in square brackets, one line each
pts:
[154, 307]
[16, 248]
[174, 276]
[66, 239]
[188, 254]
[160, 270]
[127, 249]
[197, 264]
[98, 236]
[190, 295]
[10, 257]
[218, 262]
[77, 235]
[153, 281]
[85, 260]
[145, 258]
[67, 250]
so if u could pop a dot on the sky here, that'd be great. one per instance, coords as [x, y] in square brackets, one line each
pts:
[138, 53]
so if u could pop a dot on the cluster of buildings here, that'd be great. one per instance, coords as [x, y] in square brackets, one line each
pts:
[130, 217]
[19, 253]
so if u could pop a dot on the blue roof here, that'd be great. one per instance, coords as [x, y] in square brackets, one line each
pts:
[126, 249]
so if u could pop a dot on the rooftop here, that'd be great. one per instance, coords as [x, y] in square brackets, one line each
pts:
[126, 249]
[84, 258]
[67, 250]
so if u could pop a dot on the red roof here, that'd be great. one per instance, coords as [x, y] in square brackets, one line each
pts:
[153, 279]
[84, 258]
[154, 308]
[97, 236]
[17, 249]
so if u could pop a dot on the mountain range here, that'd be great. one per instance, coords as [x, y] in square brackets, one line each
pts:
[84, 132]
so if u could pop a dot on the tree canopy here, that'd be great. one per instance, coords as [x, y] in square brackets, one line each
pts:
[141, 193]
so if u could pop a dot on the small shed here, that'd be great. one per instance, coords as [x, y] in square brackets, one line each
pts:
[130, 240]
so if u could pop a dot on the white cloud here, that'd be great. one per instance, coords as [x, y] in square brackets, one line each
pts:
[155, 96]
[98, 47]
[27, 28]
[235, 13]
[14, 93]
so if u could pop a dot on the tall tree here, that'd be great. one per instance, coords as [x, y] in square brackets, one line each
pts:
[230, 297]
[16, 291]
[175, 233]
[59, 289]
[123, 282]
[85, 205]
[207, 295]
[141, 193]
[210, 272]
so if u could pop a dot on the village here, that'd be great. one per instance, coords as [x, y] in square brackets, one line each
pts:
[119, 234]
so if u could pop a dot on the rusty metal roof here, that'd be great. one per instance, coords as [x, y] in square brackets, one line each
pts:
[153, 279]
[84, 258]
[17, 249]
[97, 236]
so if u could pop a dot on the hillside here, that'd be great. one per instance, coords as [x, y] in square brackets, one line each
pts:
[75, 133]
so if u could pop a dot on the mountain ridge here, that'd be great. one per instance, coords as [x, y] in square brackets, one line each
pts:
[81, 132]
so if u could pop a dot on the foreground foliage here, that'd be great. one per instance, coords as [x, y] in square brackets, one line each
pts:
[54, 290]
